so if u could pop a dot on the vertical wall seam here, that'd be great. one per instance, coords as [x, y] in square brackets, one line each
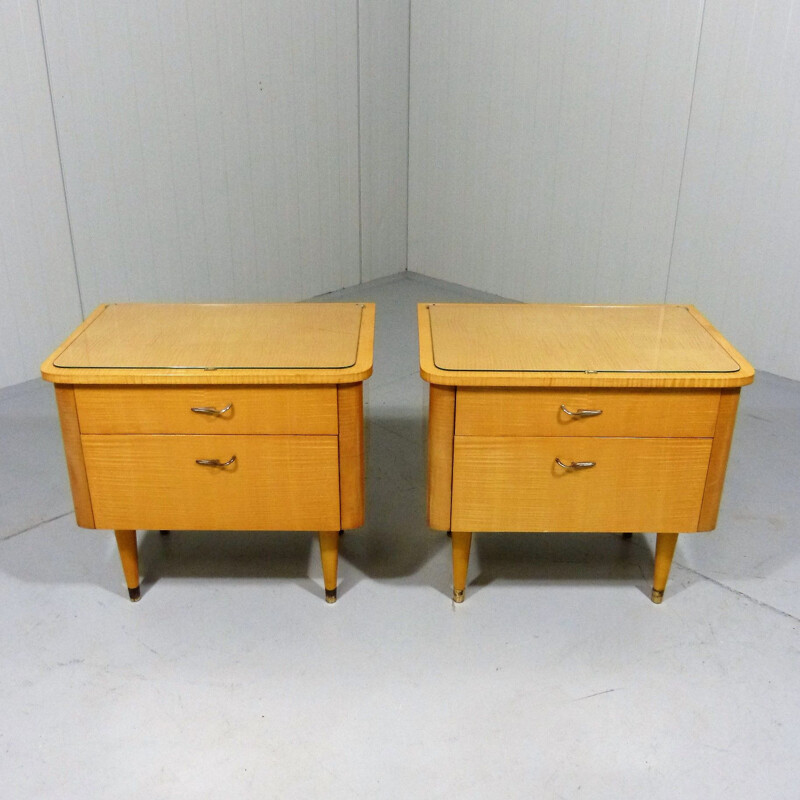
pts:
[685, 148]
[60, 160]
[408, 139]
[358, 138]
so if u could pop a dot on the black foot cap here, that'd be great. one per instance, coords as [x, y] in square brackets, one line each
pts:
[135, 594]
[627, 536]
[330, 595]
[165, 533]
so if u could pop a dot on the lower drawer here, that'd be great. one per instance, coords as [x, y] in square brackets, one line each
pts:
[514, 484]
[276, 482]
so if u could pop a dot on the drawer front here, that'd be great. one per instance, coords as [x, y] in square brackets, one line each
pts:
[276, 482]
[625, 412]
[252, 409]
[514, 484]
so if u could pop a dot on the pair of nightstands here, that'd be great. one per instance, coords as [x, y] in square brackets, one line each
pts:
[542, 418]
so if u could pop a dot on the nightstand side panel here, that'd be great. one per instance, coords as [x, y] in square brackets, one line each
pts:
[718, 462]
[351, 455]
[73, 449]
[441, 427]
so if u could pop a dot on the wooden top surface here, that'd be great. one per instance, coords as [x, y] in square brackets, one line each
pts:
[526, 344]
[153, 343]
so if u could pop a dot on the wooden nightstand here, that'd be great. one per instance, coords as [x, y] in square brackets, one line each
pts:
[207, 417]
[576, 418]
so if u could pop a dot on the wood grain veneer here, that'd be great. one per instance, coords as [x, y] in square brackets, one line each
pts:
[503, 378]
[213, 365]
[441, 424]
[208, 336]
[625, 412]
[514, 484]
[254, 409]
[622, 368]
[76, 467]
[276, 483]
[525, 337]
[287, 381]
[351, 455]
[718, 462]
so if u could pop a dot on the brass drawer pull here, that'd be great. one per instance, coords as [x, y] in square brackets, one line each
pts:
[582, 412]
[576, 464]
[214, 462]
[216, 412]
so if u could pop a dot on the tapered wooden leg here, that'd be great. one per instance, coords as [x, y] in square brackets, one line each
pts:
[329, 550]
[129, 555]
[461, 545]
[665, 549]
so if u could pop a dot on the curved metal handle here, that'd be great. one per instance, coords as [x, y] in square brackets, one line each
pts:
[214, 462]
[582, 412]
[209, 410]
[576, 464]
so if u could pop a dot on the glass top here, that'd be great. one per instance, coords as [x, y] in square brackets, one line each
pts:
[226, 336]
[564, 338]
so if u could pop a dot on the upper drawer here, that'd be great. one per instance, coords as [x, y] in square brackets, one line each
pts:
[625, 412]
[250, 409]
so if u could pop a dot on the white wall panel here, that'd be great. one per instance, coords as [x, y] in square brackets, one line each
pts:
[383, 113]
[212, 151]
[737, 242]
[546, 144]
[39, 301]
[210, 148]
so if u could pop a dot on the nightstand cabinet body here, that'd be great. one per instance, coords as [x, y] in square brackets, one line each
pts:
[599, 449]
[273, 443]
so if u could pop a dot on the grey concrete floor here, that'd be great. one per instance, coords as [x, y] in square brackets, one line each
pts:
[557, 678]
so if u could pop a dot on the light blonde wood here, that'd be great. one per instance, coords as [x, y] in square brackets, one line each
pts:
[329, 553]
[292, 343]
[514, 484]
[276, 483]
[71, 435]
[255, 409]
[665, 550]
[646, 346]
[132, 444]
[718, 463]
[351, 455]
[441, 423]
[366, 339]
[461, 543]
[660, 445]
[626, 412]
[565, 338]
[129, 556]
[212, 336]
[71, 338]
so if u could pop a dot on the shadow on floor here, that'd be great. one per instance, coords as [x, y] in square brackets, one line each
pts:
[565, 559]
